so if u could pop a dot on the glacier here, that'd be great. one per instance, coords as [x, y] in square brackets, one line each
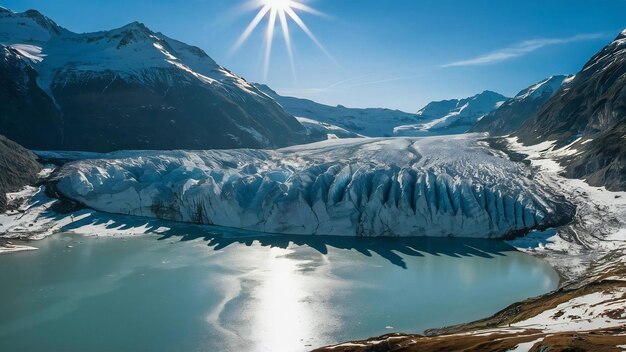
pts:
[430, 186]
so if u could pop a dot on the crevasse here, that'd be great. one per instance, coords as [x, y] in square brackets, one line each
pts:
[436, 186]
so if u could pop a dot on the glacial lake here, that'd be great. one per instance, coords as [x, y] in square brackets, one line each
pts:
[247, 292]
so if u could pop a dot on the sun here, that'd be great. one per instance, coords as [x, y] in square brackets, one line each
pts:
[280, 11]
[278, 5]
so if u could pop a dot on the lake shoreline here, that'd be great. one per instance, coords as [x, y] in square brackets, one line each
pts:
[590, 256]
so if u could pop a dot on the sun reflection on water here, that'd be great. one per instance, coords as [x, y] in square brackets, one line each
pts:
[283, 320]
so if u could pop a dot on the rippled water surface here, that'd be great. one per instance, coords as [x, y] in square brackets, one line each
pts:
[250, 293]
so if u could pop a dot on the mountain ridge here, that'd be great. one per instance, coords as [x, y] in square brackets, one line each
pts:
[515, 111]
[106, 85]
[370, 122]
[454, 115]
[589, 117]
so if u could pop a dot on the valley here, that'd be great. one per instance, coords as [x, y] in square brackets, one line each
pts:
[142, 183]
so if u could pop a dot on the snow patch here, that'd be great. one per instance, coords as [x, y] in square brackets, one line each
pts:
[525, 346]
[582, 313]
[30, 52]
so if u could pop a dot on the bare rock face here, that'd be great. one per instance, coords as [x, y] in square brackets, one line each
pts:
[27, 113]
[127, 88]
[592, 109]
[603, 160]
[18, 167]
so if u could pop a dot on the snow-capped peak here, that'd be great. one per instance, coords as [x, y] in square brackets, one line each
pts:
[547, 86]
[569, 79]
[27, 26]
[136, 25]
[458, 113]
[127, 51]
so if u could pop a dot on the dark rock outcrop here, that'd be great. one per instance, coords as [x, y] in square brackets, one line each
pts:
[18, 167]
[27, 113]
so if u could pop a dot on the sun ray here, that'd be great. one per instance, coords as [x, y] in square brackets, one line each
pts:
[269, 38]
[294, 16]
[306, 8]
[251, 27]
[285, 29]
[280, 11]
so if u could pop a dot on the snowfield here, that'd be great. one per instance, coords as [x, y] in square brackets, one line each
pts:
[435, 186]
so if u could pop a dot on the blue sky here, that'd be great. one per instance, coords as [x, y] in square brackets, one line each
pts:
[387, 53]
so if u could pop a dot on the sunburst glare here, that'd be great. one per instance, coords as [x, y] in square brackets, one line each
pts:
[280, 11]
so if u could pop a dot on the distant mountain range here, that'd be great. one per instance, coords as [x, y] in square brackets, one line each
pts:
[132, 88]
[127, 88]
[371, 122]
[437, 118]
[455, 115]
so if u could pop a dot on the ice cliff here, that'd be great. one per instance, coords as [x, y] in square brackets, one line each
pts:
[436, 186]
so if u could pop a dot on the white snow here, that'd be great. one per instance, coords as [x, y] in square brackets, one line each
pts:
[34, 220]
[443, 115]
[31, 52]
[435, 186]
[25, 28]
[444, 120]
[332, 131]
[525, 346]
[588, 312]
[132, 53]
[569, 79]
[599, 229]
[548, 86]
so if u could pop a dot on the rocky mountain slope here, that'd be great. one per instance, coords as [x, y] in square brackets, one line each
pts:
[453, 116]
[510, 116]
[127, 88]
[372, 122]
[18, 167]
[589, 118]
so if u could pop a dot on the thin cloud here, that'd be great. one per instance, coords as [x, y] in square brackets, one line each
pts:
[522, 49]
[347, 83]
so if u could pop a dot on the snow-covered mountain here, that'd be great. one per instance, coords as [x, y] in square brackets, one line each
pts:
[514, 112]
[322, 130]
[455, 115]
[588, 119]
[372, 122]
[433, 186]
[128, 88]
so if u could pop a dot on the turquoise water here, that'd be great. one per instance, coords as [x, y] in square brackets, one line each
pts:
[242, 293]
